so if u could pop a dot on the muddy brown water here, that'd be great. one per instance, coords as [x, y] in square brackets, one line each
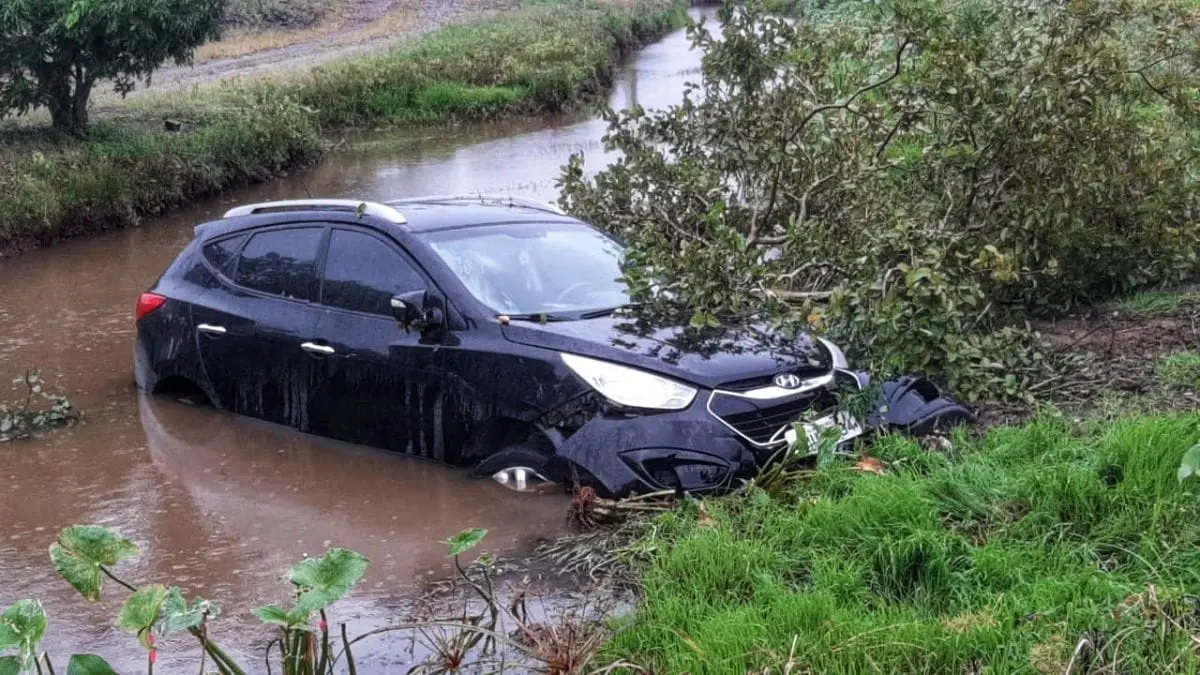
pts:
[222, 505]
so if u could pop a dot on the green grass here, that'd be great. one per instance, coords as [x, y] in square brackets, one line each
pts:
[1180, 370]
[60, 187]
[544, 57]
[1151, 303]
[999, 557]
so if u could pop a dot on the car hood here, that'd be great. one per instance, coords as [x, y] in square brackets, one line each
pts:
[708, 357]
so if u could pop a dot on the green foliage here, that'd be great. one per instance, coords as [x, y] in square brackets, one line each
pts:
[942, 171]
[1180, 370]
[120, 173]
[21, 628]
[1190, 464]
[37, 410]
[465, 541]
[141, 611]
[320, 582]
[996, 556]
[1153, 303]
[89, 664]
[92, 41]
[541, 58]
[82, 550]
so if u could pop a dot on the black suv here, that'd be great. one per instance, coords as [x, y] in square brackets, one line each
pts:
[490, 332]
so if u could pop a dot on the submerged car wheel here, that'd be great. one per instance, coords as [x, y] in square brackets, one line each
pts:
[519, 467]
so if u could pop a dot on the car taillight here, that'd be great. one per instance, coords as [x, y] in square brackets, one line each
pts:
[148, 302]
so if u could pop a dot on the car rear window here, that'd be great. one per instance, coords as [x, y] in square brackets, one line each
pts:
[220, 253]
[281, 262]
[362, 274]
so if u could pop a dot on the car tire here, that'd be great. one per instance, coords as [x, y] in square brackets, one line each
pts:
[519, 455]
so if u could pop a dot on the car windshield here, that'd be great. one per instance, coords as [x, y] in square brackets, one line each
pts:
[536, 268]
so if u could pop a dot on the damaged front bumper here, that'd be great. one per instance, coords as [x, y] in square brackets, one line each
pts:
[727, 436]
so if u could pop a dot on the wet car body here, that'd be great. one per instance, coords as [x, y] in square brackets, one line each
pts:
[362, 322]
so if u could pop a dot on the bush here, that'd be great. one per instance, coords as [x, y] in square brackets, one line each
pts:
[940, 171]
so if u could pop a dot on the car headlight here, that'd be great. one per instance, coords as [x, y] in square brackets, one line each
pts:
[839, 357]
[629, 386]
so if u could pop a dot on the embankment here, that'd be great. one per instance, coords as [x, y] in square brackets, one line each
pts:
[544, 57]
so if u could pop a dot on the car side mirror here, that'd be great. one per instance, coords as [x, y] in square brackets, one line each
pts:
[414, 310]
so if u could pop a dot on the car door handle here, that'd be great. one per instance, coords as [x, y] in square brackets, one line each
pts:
[211, 329]
[314, 348]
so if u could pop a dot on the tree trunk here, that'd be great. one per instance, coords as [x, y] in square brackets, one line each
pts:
[68, 105]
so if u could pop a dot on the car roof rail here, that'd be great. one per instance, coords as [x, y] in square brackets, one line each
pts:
[354, 205]
[505, 200]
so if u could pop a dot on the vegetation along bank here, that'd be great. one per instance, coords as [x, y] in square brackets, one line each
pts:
[542, 57]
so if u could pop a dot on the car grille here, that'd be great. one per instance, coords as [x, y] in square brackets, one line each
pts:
[762, 422]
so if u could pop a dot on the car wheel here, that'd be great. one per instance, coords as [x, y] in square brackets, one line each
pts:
[515, 466]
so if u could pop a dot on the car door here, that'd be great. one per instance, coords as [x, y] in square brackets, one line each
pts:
[254, 328]
[382, 385]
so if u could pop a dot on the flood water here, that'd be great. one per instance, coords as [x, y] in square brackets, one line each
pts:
[220, 505]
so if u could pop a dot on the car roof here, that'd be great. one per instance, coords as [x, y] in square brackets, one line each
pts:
[420, 214]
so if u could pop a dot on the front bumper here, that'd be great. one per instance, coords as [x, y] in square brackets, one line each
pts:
[721, 438]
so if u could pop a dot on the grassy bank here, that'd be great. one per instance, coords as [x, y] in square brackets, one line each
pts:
[540, 58]
[1025, 551]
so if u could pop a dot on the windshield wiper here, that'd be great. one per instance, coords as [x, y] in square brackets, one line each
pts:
[597, 313]
[542, 317]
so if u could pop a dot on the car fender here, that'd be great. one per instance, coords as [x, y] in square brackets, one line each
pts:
[916, 406]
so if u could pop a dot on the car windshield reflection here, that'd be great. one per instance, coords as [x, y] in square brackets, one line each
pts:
[535, 269]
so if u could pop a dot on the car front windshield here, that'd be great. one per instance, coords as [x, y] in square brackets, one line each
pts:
[535, 268]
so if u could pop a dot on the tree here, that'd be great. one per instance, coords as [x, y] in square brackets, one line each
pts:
[53, 53]
[938, 171]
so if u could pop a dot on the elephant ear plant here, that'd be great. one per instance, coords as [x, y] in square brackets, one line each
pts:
[84, 556]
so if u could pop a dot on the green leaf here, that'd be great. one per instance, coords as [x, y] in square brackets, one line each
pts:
[1190, 465]
[465, 540]
[82, 549]
[21, 627]
[89, 664]
[141, 612]
[10, 665]
[325, 580]
[279, 617]
[176, 616]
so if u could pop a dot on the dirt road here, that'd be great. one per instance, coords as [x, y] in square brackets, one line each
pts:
[371, 26]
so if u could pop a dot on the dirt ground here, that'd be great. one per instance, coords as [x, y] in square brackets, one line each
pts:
[1107, 359]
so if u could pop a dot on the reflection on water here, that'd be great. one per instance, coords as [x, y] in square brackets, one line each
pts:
[222, 505]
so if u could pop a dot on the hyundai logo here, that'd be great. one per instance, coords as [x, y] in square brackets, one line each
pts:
[787, 381]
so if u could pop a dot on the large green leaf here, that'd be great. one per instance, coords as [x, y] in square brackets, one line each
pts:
[1190, 465]
[278, 616]
[141, 612]
[465, 540]
[10, 665]
[175, 615]
[21, 627]
[89, 664]
[325, 580]
[80, 552]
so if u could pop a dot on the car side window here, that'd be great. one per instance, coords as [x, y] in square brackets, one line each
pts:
[362, 274]
[281, 262]
[220, 253]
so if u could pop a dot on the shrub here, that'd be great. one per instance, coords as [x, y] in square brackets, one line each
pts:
[939, 171]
